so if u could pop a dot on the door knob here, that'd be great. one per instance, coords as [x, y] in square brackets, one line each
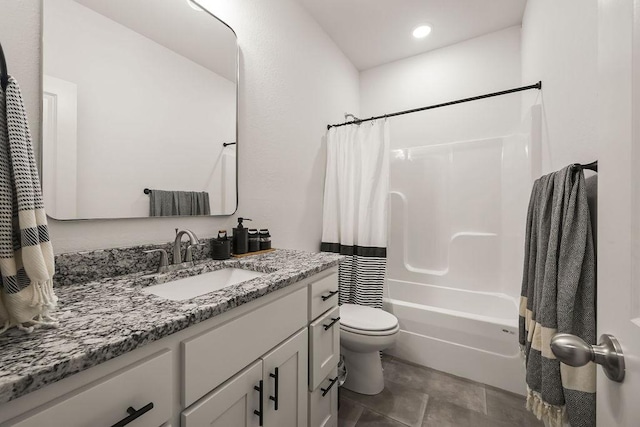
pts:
[574, 351]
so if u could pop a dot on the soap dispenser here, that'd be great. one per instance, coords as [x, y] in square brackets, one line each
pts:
[241, 238]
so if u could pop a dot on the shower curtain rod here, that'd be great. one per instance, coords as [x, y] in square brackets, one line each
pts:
[430, 107]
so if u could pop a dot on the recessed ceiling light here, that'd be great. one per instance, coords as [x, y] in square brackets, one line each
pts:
[421, 32]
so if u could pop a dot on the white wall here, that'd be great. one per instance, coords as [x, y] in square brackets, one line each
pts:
[481, 65]
[147, 116]
[559, 47]
[454, 203]
[294, 81]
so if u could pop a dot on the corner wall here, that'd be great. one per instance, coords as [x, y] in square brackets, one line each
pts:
[294, 81]
[560, 47]
[484, 64]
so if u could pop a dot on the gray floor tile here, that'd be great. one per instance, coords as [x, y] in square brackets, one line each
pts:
[444, 414]
[396, 401]
[373, 419]
[349, 412]
[505, 406]
[437, 385]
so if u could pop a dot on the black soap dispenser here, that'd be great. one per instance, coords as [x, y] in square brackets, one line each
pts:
[241, 238]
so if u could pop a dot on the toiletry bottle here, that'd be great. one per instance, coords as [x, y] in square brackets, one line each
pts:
[254, 240]
[265, 239]
[240, 238]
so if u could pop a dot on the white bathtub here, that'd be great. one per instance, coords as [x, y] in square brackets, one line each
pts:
[466, 333]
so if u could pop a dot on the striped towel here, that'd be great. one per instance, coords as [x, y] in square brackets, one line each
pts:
[26, 254]
[558, 295]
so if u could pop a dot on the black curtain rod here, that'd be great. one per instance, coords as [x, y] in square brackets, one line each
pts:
[4, 74]
[430, 107]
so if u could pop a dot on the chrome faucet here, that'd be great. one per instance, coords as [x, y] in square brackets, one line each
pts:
[178, 263]
[177, 246]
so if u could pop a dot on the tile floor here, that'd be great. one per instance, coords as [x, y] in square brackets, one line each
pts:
[421, 397]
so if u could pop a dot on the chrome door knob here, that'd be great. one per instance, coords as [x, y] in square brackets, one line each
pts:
[574, 351]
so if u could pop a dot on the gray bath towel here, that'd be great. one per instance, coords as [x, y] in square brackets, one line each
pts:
[173, 203]
[558, 295]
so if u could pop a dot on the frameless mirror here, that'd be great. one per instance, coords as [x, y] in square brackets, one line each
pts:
[139, 110]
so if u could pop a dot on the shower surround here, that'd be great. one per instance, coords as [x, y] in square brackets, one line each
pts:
[456, 238]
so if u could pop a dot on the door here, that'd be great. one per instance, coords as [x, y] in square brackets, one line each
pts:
[619, 204]
[234, 403]
[285, 383]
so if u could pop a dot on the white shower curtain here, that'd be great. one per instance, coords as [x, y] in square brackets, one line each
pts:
[355, 208]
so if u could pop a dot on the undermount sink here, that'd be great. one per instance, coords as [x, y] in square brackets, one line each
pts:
[194, 286]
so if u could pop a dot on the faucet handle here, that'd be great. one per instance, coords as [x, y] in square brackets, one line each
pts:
[188, 256]
[164, 259]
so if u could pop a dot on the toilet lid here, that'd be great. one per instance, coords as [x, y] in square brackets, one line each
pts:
[366, 318]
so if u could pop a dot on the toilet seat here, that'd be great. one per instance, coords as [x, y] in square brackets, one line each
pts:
[359, 319]
[370, 333]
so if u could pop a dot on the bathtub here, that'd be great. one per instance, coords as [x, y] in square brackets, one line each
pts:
[466, 333]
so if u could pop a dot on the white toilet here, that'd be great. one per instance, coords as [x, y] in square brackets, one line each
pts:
[364, 332]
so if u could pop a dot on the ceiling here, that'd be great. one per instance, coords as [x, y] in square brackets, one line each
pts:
[374, 32]
[194, 34]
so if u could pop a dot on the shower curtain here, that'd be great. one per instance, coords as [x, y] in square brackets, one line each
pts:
[355, 208]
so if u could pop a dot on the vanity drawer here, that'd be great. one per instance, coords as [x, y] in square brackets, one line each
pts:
[214, 356]
[323, 402]
[324, 346]
[323, 295]
[105, 402]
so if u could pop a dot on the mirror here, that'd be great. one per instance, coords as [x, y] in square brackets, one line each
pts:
[139, 110]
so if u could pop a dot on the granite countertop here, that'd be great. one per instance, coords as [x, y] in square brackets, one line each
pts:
[106, 318]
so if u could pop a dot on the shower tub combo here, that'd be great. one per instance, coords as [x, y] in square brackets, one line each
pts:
[456, 239]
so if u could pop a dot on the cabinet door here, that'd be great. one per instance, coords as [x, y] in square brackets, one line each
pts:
[323, 402]
[230, 405]
[324, 346]
[285, 378]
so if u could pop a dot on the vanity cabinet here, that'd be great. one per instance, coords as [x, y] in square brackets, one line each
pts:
[324, 351]
[231, 404]
[145, 387]
[211, 358]
[271, 392]
[230, 370]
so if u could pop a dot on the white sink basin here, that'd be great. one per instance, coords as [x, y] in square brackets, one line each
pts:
[194, 286]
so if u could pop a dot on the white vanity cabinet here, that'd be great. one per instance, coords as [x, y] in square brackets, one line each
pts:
[231, 370]
[145, 387]
[232, 404]
[324, 351]
[271, 392]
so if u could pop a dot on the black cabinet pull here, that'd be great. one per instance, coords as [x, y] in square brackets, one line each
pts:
[333, 322]
[260, 413]
[326, 390]
[332, 293]
[275, 398]
[133, 415]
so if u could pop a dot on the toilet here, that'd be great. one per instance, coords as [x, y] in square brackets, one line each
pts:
[364, 332]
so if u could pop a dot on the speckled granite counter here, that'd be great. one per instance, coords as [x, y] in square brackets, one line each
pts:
[104, 319]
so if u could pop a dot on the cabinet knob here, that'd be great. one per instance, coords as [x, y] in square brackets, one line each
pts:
[133, 415]
[326, 390]
[334, 320]
[275, 376]
[260, 413]
[329, 295]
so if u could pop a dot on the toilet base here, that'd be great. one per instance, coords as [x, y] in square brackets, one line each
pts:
[364, 372]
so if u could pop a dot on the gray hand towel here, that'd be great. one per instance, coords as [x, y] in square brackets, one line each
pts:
[176, 203]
